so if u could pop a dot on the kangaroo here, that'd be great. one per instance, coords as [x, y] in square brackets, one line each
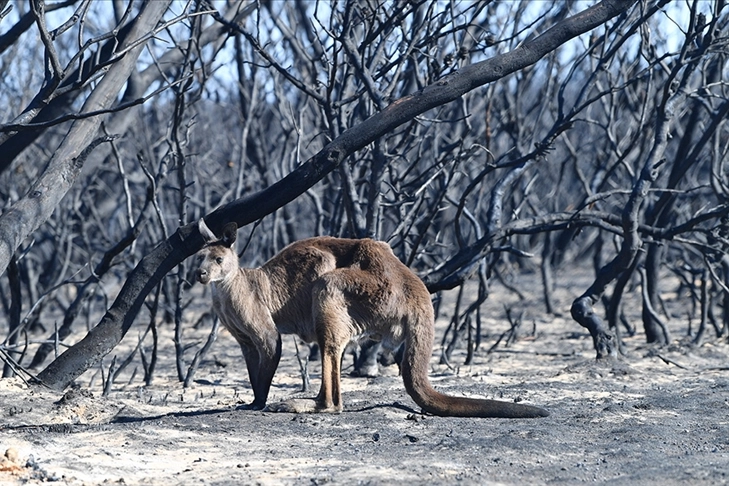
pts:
[330, 291]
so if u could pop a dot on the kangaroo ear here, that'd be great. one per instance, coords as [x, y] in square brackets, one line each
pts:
[230, 231]
[206, 232]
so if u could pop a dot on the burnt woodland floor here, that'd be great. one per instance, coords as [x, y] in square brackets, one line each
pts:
[656, 416]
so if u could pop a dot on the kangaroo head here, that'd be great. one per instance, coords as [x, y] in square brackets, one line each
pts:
[217, 259]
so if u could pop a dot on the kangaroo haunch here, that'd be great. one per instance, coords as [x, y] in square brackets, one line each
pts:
[330, 291]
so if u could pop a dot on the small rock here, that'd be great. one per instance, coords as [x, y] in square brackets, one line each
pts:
[11, 454]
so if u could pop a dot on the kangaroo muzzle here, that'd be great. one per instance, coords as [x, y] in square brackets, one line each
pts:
[202, 276]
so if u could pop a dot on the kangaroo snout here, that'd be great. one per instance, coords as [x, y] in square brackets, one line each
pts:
[202, 276]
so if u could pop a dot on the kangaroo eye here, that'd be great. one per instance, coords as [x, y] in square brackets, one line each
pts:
[219, 260]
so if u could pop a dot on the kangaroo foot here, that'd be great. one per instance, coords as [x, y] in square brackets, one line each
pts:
[251, 406]
[300, 405]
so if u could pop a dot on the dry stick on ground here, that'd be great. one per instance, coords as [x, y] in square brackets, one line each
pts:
[452, 326]
[303, 366]
[202, 352]
[509, 335]
[150, 364]
[108, 380]
[187, 240]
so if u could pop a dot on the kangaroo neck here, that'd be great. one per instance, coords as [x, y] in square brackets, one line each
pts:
[249, 280]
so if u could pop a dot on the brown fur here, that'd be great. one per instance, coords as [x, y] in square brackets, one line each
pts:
[330, 291]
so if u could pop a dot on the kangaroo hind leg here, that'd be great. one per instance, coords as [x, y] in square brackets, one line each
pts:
[333, 337]
[334, 331]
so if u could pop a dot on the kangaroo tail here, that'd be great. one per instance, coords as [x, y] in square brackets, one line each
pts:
[415, 365]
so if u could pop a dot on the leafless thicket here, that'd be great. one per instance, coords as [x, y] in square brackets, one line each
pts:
[471, 136]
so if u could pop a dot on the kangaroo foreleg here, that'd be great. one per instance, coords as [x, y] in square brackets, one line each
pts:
[261, 366]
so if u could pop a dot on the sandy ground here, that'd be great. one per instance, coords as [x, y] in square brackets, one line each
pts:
[658, 416]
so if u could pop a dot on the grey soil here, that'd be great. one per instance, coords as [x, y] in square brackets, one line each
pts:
[657, 416]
